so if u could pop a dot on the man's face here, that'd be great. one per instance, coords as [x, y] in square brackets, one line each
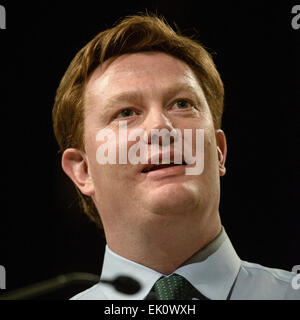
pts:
[150, 91]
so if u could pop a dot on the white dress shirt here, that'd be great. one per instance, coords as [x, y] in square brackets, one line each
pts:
[216, 271]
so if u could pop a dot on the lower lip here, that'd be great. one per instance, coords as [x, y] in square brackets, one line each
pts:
[166, 172]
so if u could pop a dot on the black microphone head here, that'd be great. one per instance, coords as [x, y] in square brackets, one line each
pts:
[126, 285]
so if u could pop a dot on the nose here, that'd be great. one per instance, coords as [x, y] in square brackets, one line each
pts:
[158, 128]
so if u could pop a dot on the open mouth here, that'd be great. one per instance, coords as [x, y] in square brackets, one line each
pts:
[154, 167]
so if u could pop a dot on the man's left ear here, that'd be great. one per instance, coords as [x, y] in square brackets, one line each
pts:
[222, 150]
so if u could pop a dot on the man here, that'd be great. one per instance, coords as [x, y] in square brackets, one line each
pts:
[162, 226]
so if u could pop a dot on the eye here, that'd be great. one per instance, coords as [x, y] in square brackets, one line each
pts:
[182, 104]
[126, 113]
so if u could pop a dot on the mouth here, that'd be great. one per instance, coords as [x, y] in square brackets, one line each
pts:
[156, 167]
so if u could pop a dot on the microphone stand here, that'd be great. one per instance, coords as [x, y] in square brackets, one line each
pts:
[123, 284]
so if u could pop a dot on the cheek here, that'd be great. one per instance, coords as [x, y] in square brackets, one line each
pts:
[90, 142]
[92, 146]
[208, 147]
[107, 162]
[200, 127]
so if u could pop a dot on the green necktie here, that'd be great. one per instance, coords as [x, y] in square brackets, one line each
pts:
[174, 287]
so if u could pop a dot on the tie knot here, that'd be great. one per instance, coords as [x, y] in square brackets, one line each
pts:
[174, 287]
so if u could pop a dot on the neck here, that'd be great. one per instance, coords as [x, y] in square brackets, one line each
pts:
[164, 245]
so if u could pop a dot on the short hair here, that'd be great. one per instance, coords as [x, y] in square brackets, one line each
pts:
[137, 33]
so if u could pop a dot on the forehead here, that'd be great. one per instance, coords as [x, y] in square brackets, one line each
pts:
[147, 72]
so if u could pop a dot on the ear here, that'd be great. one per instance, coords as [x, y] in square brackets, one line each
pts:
[75, 165]
[222, 150]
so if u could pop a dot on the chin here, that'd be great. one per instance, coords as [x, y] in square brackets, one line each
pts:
[172, 198]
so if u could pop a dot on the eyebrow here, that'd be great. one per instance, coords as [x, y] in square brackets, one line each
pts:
[168, 93]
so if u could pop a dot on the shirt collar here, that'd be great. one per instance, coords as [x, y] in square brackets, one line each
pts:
[212, 271]
[214, 275]
[115, 265]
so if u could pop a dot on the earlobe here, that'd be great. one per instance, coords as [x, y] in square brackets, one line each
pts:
[222, 168]
[75, 166]
[221, 150]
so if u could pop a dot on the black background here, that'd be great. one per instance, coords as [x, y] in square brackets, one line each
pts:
[43, 233]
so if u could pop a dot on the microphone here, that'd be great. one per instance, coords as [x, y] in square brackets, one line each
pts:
[122, 284]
